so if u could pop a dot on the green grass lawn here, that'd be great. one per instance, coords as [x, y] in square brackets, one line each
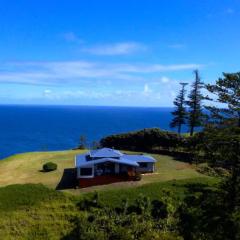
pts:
[30, 208]
[26, 168]
[33, 211]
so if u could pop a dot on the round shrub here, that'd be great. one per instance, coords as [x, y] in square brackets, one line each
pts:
[49, 166]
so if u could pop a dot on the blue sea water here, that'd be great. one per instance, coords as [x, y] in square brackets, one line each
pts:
[43, 128]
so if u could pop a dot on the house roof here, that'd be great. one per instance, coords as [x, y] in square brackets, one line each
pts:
[82, 162]
[139, 158]
[105, 152]
[132, 160]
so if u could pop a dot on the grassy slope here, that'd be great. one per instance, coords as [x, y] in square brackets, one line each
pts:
[26, 168]
[36, 212]
[114, 197]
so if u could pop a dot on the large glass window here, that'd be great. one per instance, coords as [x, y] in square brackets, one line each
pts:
[85, 171]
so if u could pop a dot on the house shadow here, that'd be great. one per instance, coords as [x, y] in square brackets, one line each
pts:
[68, 180]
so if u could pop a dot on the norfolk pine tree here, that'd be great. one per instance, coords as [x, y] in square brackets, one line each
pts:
[227, 90]
[180, 114]
[195, 115]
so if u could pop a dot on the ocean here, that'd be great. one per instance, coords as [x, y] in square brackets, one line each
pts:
[45, 128]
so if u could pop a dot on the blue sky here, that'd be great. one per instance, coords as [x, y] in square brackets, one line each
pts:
[124, 53]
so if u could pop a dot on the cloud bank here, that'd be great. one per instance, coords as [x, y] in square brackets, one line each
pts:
[76, 72]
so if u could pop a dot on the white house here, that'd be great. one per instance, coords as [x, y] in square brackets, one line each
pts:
[108, 165]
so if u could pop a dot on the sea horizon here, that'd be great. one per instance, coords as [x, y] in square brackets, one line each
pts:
[29, 128]
[79, 105]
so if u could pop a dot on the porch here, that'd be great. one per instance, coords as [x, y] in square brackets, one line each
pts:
[105, 173]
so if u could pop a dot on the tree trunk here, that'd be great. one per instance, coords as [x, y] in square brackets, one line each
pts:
[238, 119]
[179, 128]
[191, 130]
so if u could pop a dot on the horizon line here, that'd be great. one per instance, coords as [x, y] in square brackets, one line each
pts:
[78, 105]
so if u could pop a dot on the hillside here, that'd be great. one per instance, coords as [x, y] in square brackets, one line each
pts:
[36, 211]
[26, 168]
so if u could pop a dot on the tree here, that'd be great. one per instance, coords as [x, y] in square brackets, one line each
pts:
[95, 145]
[195, 115]
[227, 90]
[82, 142]
[180, 114]
[214, 213]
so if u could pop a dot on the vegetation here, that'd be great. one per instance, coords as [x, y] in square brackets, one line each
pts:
[227, 91]
[49, 166]
[143, 140]
[195, 115]
[26, 168]
[32, 211]
[82, 142]
[180, 114]
[206, 213]
[176, 202]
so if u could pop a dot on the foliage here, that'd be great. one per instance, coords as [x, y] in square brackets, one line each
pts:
[215, 145]
[227, 90]
[195, 115]
[205, 209]
[147, 212]
[95, 145]
[180, 113]
[212, 171]
[49, 166]
[82, 142]
[38, 232]
[135, 221]
[143, 140]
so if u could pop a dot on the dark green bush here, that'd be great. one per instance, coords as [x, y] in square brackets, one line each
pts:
[144, 140]
[49, 166]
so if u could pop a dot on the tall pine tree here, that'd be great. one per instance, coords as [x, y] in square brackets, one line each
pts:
[195, 115]
[180, 113]
[227, 91]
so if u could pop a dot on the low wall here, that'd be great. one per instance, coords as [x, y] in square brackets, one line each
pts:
[102, 180]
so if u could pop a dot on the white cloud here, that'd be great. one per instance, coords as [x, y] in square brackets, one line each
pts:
[165, 80]
[122, 48]
[146, 90]
[77, 72]
[47, 92]
[130, 96]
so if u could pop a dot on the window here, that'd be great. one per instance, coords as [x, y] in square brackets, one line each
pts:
[142, 165]
[85, 171]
